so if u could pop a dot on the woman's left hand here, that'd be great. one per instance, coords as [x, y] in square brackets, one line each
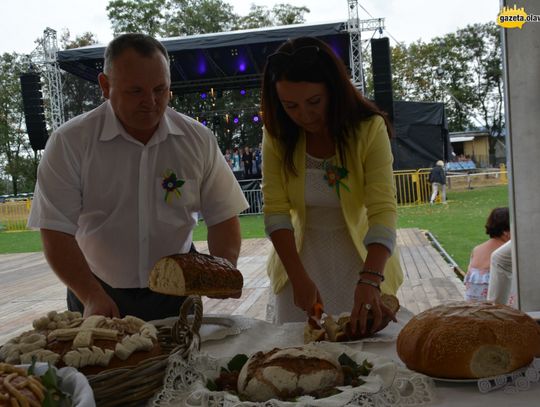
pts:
[367, 299]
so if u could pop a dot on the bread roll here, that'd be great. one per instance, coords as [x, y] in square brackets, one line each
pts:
[340, 330]
[288, 373]
[195, 274]
[465, 340]
[90, 344]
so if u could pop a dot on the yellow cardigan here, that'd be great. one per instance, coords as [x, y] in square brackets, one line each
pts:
[370, 201]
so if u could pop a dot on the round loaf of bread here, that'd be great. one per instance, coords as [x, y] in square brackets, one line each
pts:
[287, 373]
[468, 340]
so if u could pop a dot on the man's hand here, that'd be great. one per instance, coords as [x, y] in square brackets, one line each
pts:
[101, 304]
[224, 239]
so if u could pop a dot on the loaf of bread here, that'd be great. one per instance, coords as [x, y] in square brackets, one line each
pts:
[195, 274]
[465, 340]
[340, 330]
[287, 373]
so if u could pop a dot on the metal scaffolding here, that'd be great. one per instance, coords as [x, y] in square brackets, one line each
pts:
[44, 58]
[355, 27]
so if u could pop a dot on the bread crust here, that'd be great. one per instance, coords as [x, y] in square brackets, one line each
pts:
[466, 340]
[287, 373]
[195, 274]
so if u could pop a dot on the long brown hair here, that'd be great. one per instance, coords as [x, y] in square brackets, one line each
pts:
[346, 105]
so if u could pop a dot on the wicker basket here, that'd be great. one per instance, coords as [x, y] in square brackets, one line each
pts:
[131, 386]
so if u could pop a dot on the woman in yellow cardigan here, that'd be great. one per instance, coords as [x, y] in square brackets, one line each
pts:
[329, 201]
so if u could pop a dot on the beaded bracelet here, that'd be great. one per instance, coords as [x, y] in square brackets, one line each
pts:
[373, 272]
[368, 282]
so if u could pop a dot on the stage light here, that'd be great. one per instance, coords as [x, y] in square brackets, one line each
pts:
[243, 92]
[242, 65]
[204, 122]
[203, 95]
[236, 120]
[201, 68]
[256, 118]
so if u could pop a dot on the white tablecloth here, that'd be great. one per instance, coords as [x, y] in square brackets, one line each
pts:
[258, 335]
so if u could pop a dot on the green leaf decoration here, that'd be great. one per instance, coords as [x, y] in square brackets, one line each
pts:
[236, 363]
[345, 360]
[211, 385]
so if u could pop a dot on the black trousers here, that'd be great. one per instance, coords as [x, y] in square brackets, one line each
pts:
[140, 302]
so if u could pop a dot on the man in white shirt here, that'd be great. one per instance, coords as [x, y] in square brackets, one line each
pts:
[121, 186]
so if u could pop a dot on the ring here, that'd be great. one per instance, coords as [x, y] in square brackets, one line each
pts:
[367, 306]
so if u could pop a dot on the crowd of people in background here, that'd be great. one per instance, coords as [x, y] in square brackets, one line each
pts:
[246, 160]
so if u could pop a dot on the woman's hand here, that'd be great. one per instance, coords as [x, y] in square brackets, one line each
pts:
[306, 294]
[368, 299]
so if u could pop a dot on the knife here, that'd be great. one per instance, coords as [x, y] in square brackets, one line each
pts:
[319, 316]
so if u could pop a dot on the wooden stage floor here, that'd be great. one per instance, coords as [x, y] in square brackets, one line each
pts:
[29, 289]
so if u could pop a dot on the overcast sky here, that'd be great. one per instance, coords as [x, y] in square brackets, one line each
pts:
[22, 21]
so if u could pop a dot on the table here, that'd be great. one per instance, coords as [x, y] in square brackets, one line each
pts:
[259, 335]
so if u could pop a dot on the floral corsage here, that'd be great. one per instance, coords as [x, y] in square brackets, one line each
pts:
[334, 176]
[171, 184]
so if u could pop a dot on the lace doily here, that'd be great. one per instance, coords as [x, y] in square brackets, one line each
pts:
[387, 385]
[520, 380]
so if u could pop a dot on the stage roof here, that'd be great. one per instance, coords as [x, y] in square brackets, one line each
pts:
[228, 60]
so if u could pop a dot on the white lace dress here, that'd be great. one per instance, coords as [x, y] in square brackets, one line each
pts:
[328, 253]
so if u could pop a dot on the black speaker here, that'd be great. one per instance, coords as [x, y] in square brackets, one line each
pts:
[382, 75]
[34, 114]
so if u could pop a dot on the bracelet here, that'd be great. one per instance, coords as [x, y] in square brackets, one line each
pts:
[373, 272]
[368, 282]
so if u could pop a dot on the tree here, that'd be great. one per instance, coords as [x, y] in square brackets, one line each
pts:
[285, 14]
[482, 87]
[146, 16]
[79, 95]
[463, 69]
[18, 160]
[189, 17]
[258, 16]
[168, 18]
[280, 14]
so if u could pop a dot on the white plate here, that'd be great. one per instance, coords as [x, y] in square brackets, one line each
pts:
[218, 327]
[534, 315]
[73, 383]
[213, 327]
[462, 381]
[490, 378]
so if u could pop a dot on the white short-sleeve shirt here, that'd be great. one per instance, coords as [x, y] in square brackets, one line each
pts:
[106, 188]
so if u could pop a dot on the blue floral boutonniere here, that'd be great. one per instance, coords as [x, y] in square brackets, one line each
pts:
[171, 184]
[334, 176]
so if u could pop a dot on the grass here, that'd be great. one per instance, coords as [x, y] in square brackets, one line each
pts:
[458, 226]
[20, 242]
